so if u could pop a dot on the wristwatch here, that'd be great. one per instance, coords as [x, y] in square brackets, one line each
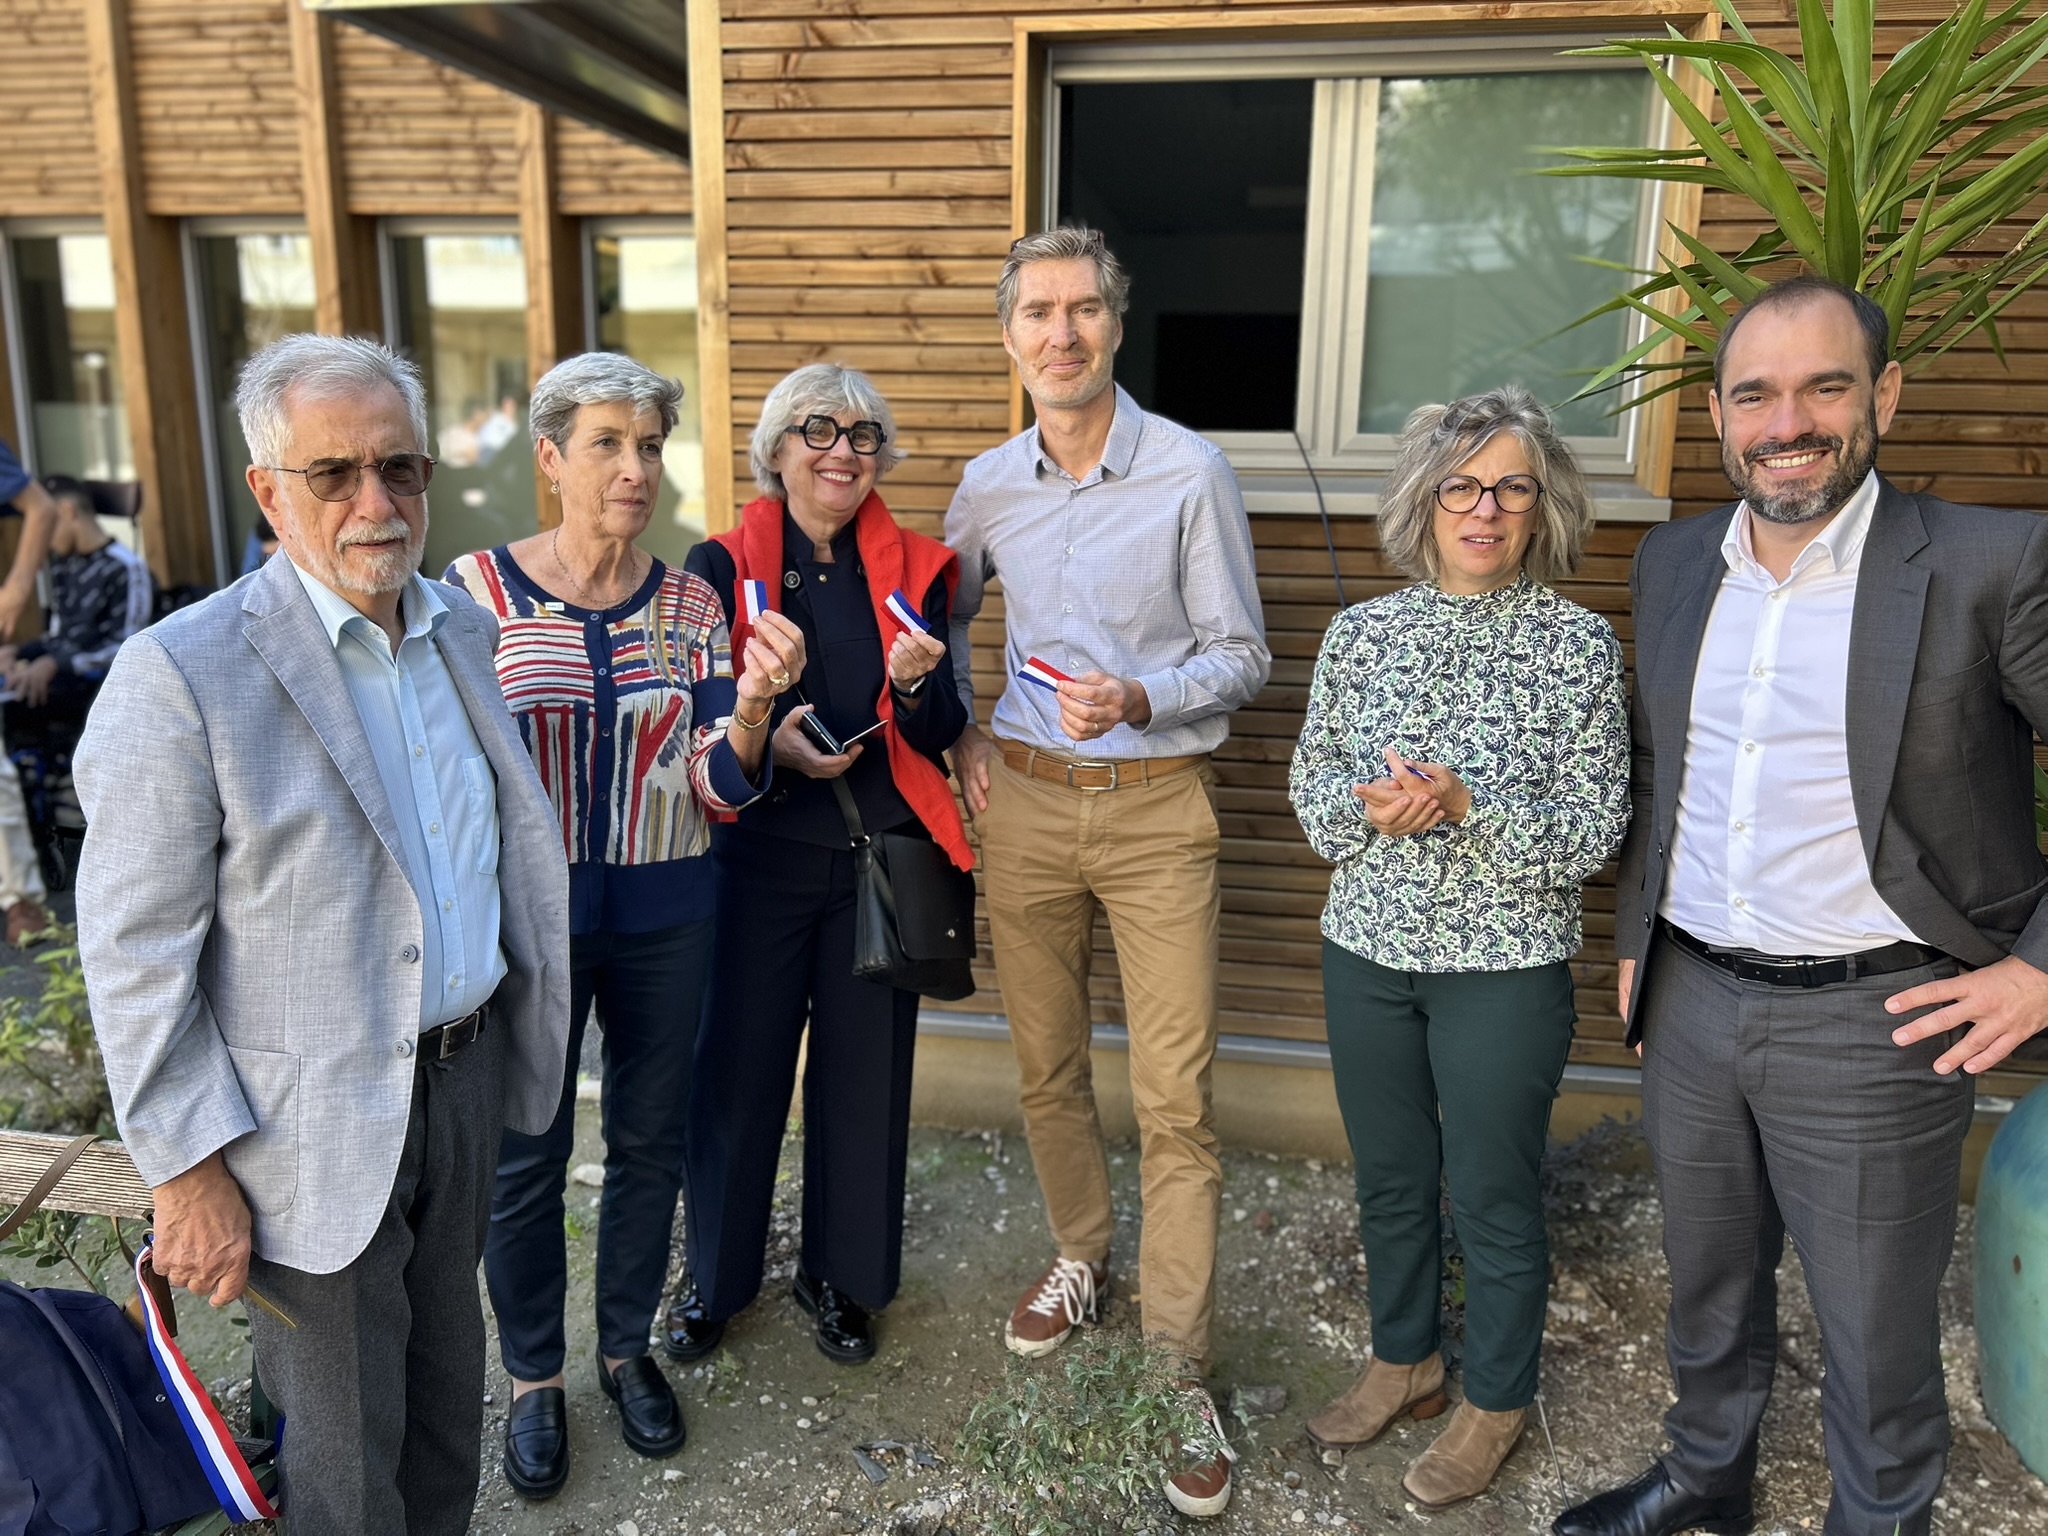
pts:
[912, 690]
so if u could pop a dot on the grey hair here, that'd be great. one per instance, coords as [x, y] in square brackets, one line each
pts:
[819, 389]
[1070, 242]
[599, 378]
[307, 366]
[1439, 438]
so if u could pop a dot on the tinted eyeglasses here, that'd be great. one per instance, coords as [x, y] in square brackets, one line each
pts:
[403, 474]
[822, 432]
[1511, 493]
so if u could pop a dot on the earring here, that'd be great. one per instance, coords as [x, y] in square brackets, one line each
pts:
[554, 489]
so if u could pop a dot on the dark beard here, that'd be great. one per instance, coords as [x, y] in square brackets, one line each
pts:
[1853, 462]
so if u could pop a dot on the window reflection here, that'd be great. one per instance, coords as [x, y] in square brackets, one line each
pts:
[252, 290]
[77, 423]
[647, 308]
[461, 307]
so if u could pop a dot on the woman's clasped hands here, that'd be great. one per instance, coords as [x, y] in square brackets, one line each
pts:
[1413, 798]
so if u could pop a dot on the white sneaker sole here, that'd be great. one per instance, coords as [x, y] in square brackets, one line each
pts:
[1033, 1349]
[1198, 1509]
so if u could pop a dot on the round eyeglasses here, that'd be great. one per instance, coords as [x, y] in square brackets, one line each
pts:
[1511, 493]
[822, 433]
[403, 474]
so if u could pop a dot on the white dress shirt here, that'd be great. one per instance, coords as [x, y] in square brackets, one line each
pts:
[1767, 854]
[444, 795]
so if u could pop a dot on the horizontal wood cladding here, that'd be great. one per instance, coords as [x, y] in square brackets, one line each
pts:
[419, 137]
[868, 155]
[216, 105]
[599, 175]
[49, 166]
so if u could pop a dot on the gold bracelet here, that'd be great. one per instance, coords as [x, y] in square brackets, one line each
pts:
[745, 724]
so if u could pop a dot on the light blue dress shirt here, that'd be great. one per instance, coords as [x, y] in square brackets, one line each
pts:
[444, 795]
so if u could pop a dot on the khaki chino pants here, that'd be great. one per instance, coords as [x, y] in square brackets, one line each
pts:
[1147, 854]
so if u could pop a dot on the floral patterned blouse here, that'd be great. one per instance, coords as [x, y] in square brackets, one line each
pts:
[1520, 691]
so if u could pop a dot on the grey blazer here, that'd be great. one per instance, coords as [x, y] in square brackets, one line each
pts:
[1948, 681]
[249, 932]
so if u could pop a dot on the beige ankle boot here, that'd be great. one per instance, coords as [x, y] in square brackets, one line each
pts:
[1380, 1396]
[1465, 1457]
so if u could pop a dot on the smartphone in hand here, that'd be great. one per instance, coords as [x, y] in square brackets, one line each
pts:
[820, 733]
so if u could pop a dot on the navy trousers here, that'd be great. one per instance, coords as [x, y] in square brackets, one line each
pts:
[649, 990]
[785, 959]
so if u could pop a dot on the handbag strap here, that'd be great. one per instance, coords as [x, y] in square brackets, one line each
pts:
[856, 831]
[51, 1177]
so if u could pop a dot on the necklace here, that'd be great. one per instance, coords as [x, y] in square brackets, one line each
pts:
[590, 600]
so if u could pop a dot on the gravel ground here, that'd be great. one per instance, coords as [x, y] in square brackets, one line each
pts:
[773, 1423]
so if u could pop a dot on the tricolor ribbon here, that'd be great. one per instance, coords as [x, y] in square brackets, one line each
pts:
[240, 1495]
[901, 611]
[1048, 677]
[754, 600]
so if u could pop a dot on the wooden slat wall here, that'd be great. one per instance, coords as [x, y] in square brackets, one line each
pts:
[604, 176]
[50, 166]
[421, 138]
[217, 105]
[867, 157]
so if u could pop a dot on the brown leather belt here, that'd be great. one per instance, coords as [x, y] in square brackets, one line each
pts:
[1079, 773]
[444, 1040]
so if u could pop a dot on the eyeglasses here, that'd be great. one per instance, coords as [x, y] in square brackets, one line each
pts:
[1511, 493]
[403, 474]
[822, 432]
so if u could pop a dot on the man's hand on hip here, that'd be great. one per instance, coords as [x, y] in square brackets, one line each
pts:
[970, 761]
[2004, 1004]
[202, 1232]
[1094, 704]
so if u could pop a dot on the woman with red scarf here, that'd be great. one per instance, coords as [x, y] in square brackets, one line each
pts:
[826, 555]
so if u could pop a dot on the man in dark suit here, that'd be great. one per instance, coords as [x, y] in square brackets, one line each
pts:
[1831, 910]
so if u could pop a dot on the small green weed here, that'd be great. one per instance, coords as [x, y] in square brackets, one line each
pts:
[47, 1047]
[1080, 1446]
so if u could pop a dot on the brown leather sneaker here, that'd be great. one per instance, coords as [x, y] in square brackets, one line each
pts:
[1462, 1462]
[1203, 1489]
[1381, 1395]
[25, 919]
[1064, 1297]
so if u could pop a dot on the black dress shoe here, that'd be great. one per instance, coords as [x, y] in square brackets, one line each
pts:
[844, 1331]
[689, 1333]
[649, 1415]
[1653, 1505]
[537, 1443]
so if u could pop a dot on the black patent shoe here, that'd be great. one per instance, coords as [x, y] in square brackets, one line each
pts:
[845, 1331]
[537, 1443]
[688, 1333]
[649, 1415]
[1653, 1505]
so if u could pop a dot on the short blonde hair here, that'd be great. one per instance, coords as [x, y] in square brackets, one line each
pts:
[819, 389]
[1439, 438]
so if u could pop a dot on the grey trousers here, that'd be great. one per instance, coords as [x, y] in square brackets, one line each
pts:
[1772, 1110]
[381, 1384]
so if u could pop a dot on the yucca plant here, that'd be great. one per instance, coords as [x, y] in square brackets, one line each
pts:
[1893, 186]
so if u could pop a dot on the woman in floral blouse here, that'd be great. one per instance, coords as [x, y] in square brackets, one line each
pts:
[1464, 764]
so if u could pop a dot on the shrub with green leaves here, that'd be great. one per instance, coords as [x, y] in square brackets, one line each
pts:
[51, 1076]
[1079, 1445]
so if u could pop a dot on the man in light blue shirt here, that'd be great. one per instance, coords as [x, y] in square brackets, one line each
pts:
[443, 792]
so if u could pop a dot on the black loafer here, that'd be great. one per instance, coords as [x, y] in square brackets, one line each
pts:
[845, 1332]
[537, 1443]
[1653, 1505]
[689, 1333]
[649, 1415]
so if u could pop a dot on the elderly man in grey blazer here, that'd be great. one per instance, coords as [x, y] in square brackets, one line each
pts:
[1832, 910]
[323, 912]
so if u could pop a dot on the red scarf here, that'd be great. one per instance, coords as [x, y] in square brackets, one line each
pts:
[894, 558]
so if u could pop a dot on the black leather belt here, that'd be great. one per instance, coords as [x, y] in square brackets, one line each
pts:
[1803, 970]
[444, 1040]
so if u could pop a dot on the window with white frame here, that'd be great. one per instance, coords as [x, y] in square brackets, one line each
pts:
[1324, 237]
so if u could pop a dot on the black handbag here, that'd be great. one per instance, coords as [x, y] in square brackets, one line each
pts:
[913, 911]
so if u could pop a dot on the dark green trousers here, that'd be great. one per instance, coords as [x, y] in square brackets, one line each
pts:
[1451, 1074]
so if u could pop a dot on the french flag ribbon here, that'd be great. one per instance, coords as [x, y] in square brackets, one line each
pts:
[753, 600]
[233, 1483]
[903, 613]
[1045, 676]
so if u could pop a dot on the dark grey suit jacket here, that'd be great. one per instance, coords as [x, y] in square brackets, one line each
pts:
[1948, 681]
